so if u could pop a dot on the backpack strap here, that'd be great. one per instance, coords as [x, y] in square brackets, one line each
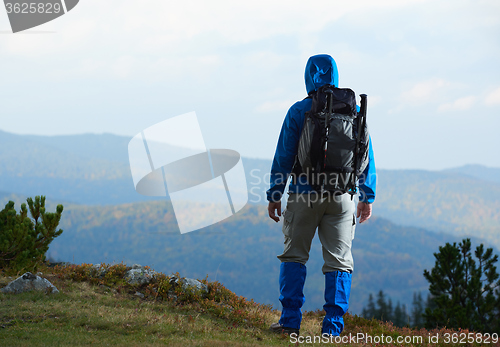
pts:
[361, 125]
[296, 168]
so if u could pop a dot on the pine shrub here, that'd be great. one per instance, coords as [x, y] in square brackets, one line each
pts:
[24, 241]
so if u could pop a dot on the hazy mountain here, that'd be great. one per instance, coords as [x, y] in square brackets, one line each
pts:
[84, 169]
[93, 169]
[490, 174]
[440, 201]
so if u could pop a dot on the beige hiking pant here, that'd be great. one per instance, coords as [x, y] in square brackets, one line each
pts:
[333, 216]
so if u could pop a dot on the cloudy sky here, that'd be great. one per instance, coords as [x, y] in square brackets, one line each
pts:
[430, 69]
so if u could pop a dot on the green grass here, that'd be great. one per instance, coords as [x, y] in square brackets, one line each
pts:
[106, 312]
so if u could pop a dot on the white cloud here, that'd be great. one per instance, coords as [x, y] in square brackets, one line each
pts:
[493, 98]
[461, 104]
[170, 36]
[425, 91]
[374, 100]
[275, 106]
[123, 66]
[153, 25]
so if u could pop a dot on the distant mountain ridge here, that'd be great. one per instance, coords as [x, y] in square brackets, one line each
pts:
[485, 173]
[93, 170]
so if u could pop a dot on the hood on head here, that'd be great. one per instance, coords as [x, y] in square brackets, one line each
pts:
[321, 69]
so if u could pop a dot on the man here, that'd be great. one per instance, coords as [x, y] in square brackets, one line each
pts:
[332, 214]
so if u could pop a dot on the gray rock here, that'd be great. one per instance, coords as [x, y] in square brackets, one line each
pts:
[189, 283]
[98, 270]
[28, 282]
[139, 275]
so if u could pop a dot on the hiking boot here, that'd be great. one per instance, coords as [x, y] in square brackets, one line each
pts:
[280, 329]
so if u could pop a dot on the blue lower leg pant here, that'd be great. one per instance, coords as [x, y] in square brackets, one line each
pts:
[292, 279]
[337, 291]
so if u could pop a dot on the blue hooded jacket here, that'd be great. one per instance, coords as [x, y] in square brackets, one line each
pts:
[320, 70]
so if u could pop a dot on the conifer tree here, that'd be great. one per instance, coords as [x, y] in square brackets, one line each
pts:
[465, 291]
[417, 310]
[384, 309]
[406, 316]
[23, 240]
[390, 312]
[369, 311]
[399, 318]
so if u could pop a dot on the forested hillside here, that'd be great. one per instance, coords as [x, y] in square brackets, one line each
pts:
[94, 170]
[451, 202]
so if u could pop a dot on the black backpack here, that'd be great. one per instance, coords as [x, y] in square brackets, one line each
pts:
[333, 145]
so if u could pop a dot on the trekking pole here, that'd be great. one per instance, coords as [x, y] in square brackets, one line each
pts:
[329, 108]
[361, 127]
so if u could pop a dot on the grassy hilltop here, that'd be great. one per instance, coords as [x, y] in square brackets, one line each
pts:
[106, 310]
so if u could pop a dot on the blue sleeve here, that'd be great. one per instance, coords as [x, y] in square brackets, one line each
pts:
[284, 157]
[368, 180]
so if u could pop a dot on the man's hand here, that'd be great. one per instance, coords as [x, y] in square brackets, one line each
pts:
[364, 211]
[273, 206]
